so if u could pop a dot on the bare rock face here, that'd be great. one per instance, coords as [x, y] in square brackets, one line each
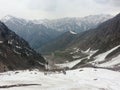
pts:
[15, 52]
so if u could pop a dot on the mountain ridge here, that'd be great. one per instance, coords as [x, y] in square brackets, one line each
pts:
[103, 38]
[15, 52]
[47, 30]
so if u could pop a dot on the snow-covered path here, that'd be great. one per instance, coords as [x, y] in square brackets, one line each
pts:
[80, 79]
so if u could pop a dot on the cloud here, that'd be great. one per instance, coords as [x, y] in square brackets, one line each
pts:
[45, 5]
[102, 1]
[113, 3]
[57, 8]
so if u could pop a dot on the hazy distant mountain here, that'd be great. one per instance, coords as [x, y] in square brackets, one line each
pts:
[40, 32]
[74, 24]
[35, 34]
[60, 43]
[15, 52]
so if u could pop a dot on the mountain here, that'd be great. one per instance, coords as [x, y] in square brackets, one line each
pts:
[104, 37]
[93, 38]
[36, 34]
[40, 32]
[59, 43]
[15, 52]
[75, 24]
[100, 45]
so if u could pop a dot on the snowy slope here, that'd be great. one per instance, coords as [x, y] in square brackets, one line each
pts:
[80, 79]
[100, 60]
[111, 63]
[73, 63]
[102, 56]
[70, 64]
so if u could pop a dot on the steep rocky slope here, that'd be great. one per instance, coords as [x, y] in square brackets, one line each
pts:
[15, 52]
[59, 43]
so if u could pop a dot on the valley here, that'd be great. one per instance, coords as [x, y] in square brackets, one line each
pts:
[59, 44]
[70, 53]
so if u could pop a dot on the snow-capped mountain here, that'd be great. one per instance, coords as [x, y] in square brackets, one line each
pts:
[35, 34]
[94, 54]
[75, 24]
[40, 32]
[14, 20]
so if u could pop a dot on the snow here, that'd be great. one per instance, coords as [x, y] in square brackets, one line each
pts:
[16, 52]
[76, 50]
[18, 47]
[1, 42]
[10, 42]
[75, 56]
[83, 22]
[101, 57]
[69, 64]
[112, 62]
[6, 18]
[89, 52]
[80, 79]
[72, 32]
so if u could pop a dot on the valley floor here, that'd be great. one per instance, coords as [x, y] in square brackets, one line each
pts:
[79, 79]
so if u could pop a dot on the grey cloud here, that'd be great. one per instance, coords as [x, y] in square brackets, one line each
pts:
[115, 2]
[102, 1]
[109, 2]
[70, 8]
[45, 5]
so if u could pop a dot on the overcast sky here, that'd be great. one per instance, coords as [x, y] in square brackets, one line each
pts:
[52, 9]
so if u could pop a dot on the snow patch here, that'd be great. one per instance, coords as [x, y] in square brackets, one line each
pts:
[89, 52]
[75, 56]
[18, 47]
[72, 32]
[69, 64]
[76, 50]
[1, 42]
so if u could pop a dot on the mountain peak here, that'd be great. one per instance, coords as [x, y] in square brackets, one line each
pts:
[8, 17]
[118, 16]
